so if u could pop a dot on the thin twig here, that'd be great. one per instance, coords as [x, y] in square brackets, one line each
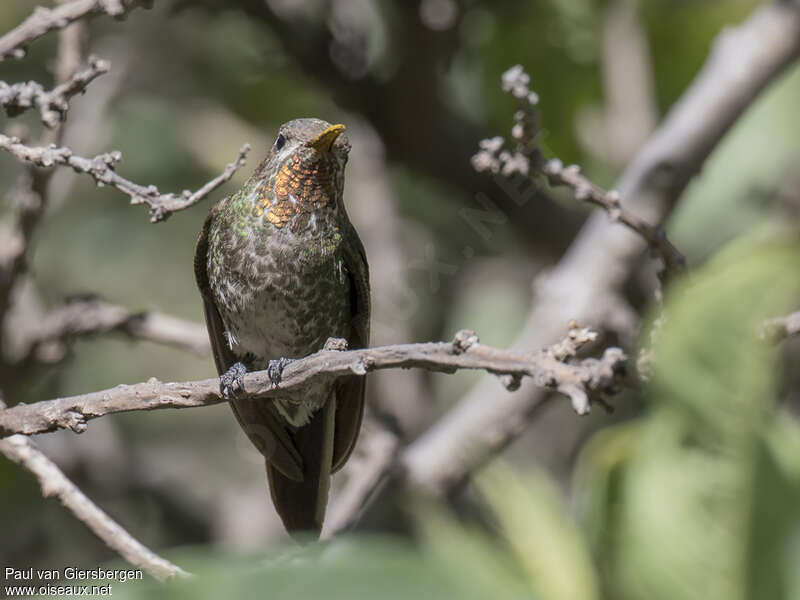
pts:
[43, 20]
[21, 450]
[526, 159]
[54, 104]
[586, 191]
[551, 369]
[101, 169]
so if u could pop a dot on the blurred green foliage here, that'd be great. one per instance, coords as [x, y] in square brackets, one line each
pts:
[698, 499]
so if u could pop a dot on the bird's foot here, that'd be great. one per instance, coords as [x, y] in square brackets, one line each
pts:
[232, 381]
[275, 370]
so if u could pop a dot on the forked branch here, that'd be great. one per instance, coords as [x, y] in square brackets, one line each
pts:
[101, 169]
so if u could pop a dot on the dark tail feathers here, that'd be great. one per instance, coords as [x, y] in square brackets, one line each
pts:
[301, 504]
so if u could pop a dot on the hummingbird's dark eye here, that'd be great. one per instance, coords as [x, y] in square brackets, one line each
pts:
[280, 141]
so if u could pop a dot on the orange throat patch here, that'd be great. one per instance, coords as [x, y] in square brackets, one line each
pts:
[298, 189]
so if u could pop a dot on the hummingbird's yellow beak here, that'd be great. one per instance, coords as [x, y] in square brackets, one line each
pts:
[324, 140]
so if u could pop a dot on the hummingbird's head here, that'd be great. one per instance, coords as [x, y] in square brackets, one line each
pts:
[303, 173]
[312, 141]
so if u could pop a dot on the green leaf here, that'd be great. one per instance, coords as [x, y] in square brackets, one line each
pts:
[532, 516]
[703, 499]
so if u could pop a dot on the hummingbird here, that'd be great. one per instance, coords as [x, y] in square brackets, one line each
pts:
[281, 269]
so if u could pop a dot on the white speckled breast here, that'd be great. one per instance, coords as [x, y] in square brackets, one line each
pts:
[281, 295]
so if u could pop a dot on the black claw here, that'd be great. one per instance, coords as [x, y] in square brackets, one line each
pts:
[232, 381]
[275, 370]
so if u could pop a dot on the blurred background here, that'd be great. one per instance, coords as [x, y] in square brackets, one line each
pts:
[670, 497]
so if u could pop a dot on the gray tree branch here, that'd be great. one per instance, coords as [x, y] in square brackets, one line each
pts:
[92, 316]
[44, 20]
[552, 369]
[21, 450]
[101, 169]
